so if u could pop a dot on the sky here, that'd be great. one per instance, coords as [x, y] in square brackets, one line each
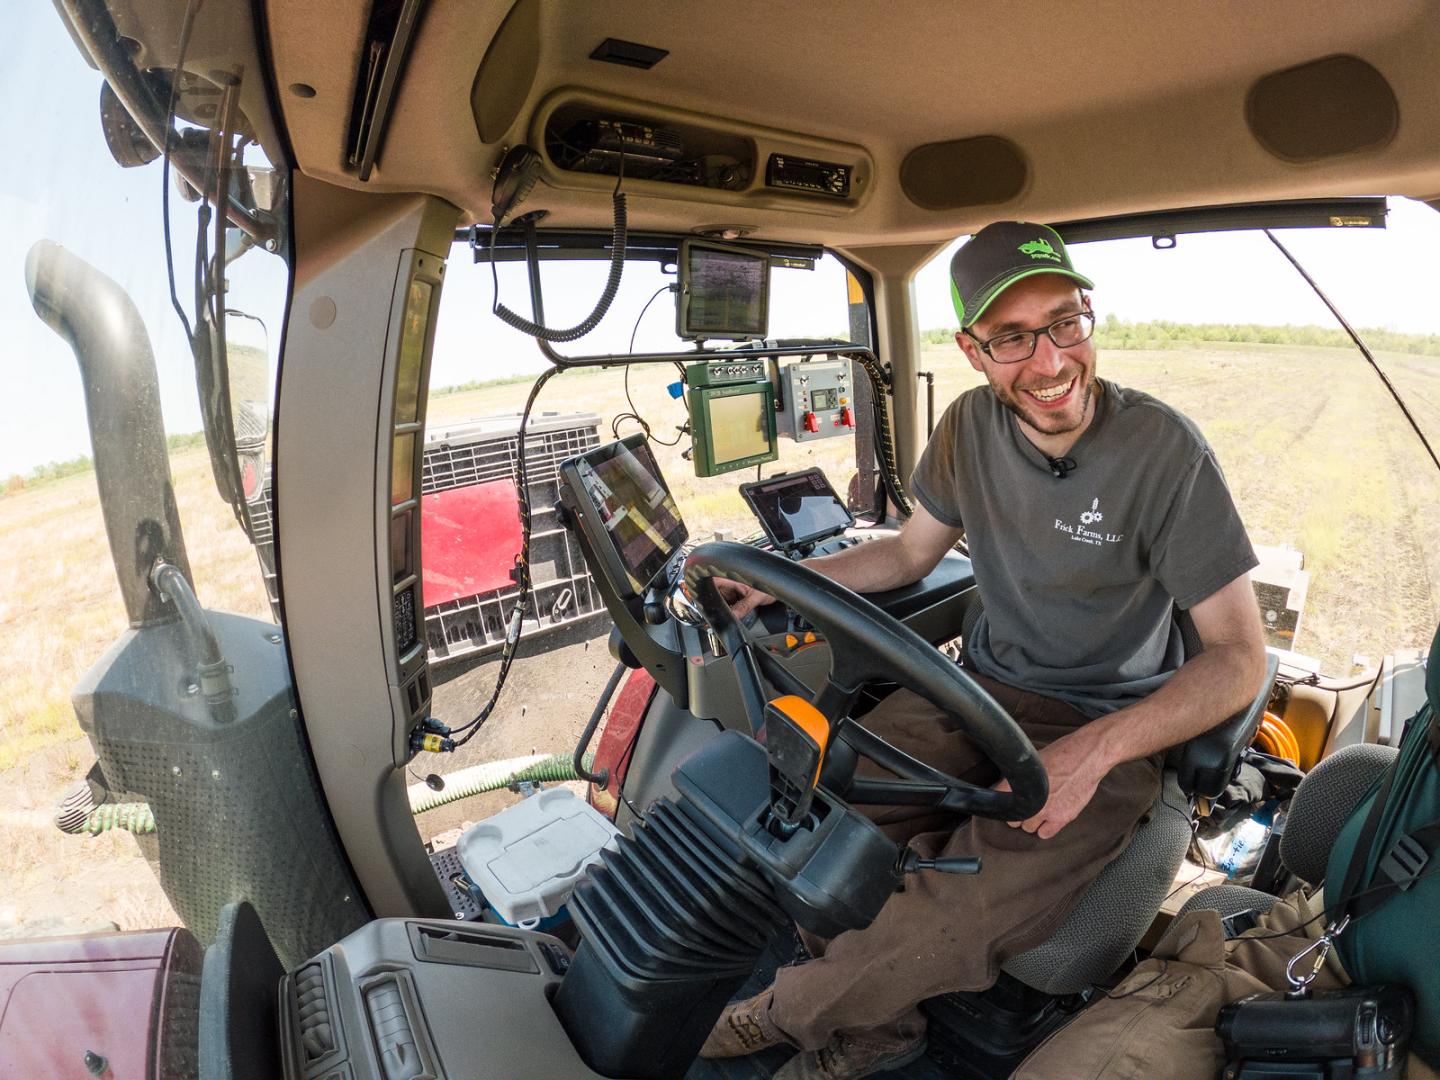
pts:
[59, 182]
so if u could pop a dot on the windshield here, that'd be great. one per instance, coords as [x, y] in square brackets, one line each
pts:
[484, 369]
[1335, 488]
[135, 433]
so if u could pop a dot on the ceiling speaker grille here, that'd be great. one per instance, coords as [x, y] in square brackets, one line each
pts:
[980, 171]
[1322, 109]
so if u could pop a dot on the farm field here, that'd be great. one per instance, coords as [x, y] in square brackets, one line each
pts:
[1317, 454]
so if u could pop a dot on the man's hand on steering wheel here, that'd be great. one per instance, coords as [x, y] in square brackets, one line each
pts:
[742, 598]
[866, 646]
[1072, 763]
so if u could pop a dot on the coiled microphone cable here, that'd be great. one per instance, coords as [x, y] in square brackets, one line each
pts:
[607, 296]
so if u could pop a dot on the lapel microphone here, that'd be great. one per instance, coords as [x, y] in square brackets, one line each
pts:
[1060, 467]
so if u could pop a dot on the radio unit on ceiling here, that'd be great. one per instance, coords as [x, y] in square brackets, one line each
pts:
[802, 174]
[603, 141]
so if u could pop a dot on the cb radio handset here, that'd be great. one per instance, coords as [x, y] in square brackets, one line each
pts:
[514, 180]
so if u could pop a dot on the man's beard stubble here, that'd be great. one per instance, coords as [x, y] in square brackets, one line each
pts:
[1017, 408]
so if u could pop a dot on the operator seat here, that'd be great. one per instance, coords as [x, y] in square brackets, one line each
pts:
[1319, 808]
[1107, 924]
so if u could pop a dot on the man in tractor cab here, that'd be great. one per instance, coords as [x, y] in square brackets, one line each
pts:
[1091, 512]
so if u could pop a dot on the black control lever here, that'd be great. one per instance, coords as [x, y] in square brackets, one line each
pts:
[910, 862]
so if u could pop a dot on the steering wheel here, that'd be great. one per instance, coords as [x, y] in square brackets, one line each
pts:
[867, 645]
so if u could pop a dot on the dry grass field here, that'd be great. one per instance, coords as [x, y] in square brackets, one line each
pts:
[1317, 454]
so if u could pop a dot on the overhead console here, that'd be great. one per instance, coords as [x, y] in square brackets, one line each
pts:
[671, 153]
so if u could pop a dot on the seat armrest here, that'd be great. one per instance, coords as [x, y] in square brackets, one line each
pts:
[1204, 764]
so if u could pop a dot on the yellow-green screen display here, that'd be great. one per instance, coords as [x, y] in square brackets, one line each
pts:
[737, 427]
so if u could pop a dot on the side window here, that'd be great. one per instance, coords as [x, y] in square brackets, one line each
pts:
[72, 214]
[1332, 482]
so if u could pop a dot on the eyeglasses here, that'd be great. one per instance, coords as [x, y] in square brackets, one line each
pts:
[1017, 345]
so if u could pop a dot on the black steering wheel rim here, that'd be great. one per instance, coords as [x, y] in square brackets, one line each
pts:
[868, 645]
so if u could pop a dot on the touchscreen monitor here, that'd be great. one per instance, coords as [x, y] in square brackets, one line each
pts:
[740, 428]
[724, 292]
[628, 511]
[797, 508]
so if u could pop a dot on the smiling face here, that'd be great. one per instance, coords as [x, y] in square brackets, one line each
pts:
[1050, 392]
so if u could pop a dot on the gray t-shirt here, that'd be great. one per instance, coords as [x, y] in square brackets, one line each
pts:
[1078, 574]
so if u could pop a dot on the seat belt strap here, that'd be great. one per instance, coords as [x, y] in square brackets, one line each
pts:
[1360, 853]
[1401, 867]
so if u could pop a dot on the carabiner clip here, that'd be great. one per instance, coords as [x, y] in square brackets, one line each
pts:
[1321, 946]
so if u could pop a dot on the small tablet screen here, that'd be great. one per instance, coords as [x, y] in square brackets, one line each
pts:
[797, 509]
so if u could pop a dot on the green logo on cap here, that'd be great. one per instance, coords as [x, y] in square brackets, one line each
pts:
[1039, 249]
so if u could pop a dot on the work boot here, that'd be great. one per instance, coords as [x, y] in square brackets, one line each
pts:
[849, 1057]
[744, 1027]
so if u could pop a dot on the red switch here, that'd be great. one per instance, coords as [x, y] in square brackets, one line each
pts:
[847, 416]
[812, 422]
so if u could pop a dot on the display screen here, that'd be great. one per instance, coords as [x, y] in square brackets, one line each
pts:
[824, 399]
[724, 293]
[624, 487]
[738, 427]
[797, 509]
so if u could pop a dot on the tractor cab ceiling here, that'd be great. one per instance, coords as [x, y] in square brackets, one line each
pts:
[941, 116]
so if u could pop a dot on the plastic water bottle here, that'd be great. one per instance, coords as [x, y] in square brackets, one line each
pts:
[1247, 841]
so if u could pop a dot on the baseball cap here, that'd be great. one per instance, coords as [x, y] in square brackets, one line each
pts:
[1000, 255]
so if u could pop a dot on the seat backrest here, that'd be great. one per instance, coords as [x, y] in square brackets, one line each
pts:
[1204, 765]
[239, 987]
[1323, 803]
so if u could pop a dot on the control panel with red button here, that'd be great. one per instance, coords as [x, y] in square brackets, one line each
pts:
[818, 401]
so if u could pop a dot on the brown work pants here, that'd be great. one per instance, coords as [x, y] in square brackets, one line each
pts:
[946, 932]
[1160, 1022]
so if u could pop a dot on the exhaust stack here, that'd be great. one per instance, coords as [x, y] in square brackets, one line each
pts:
[99, 321]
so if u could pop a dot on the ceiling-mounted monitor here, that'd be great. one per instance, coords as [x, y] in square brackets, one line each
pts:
[724, 292]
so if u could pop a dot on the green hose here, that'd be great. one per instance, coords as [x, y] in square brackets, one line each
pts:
[136, 817]
[492, 776]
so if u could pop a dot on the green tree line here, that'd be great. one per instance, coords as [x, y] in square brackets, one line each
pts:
[1115, 333]
[59, 470]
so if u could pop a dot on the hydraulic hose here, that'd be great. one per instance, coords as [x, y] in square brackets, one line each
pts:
[601, 778]
[138, 818]
[134, 817]
[492, 776]
[214, 671]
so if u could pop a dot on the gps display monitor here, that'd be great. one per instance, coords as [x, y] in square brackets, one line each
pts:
[626, 510]
[797, 508]
[724, 292]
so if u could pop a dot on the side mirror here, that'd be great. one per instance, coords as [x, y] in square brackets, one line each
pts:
[247, 350]
[129, 145]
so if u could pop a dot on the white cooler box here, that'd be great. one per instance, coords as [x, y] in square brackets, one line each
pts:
[527, 858]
